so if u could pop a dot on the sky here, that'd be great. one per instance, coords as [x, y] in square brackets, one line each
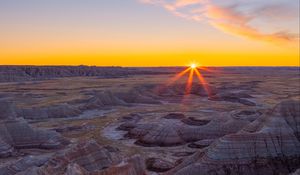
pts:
[149, 32]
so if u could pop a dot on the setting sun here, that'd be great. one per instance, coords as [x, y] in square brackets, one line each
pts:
[193, 66]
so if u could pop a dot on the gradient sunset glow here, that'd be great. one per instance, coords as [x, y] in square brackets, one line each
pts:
[150, 32]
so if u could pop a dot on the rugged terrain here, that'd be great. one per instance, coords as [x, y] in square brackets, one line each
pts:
[99, 121]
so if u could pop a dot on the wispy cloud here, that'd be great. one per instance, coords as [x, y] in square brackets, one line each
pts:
[238, 17]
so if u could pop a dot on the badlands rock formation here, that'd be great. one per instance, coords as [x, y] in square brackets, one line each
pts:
[23, 164]
[171, 132]
[55, 111]
[145, 94]
[270, 143]
[109, 98]
[158, 165]
[89, 158]
[7, 110]
[242, 98]
[180, 89]
[16, 133]
[27, 73]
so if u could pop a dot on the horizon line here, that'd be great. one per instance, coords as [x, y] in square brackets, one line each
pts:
[163, 66]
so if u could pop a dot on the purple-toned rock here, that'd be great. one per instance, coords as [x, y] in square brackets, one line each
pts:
[89, 158]
[7, 110]
[56, 111]
[24, 164]
[174, 116]
[75, 169]
[158, 165]
[267, 145]
[174, 132]
[242, 98]
[17, 134]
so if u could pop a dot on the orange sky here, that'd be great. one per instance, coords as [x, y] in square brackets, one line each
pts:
[144, 33]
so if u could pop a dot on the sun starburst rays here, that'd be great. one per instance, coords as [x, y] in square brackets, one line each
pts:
[202, 82]
[178, 76]
[192, 70]
[189, 82]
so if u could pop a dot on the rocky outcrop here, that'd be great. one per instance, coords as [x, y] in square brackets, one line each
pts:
[131, 166]
[249, 115]
[23, 164]
[175, 116]
[75, 128]
[158, 165]
[201, 143]
[88, 155]
[180, 89]
[168, 132]
[194, 121]
[109, 98]
[89, 158]
[135, 95]
[103, 99]
[267, 145]
[241, 98]
[158, 134]
[7, 110]
[16, 133]
[55, 111]
[75, 169]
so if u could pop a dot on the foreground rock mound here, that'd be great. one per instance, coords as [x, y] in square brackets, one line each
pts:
[170, 132]
[268, 145]
[89, 158]
[158, 165]
[23, 164]
[16, 133]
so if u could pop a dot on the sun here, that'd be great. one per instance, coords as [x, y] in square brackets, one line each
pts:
[193, 66]
[192, 70]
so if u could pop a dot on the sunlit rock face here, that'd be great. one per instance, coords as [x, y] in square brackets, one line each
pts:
[267, 144]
